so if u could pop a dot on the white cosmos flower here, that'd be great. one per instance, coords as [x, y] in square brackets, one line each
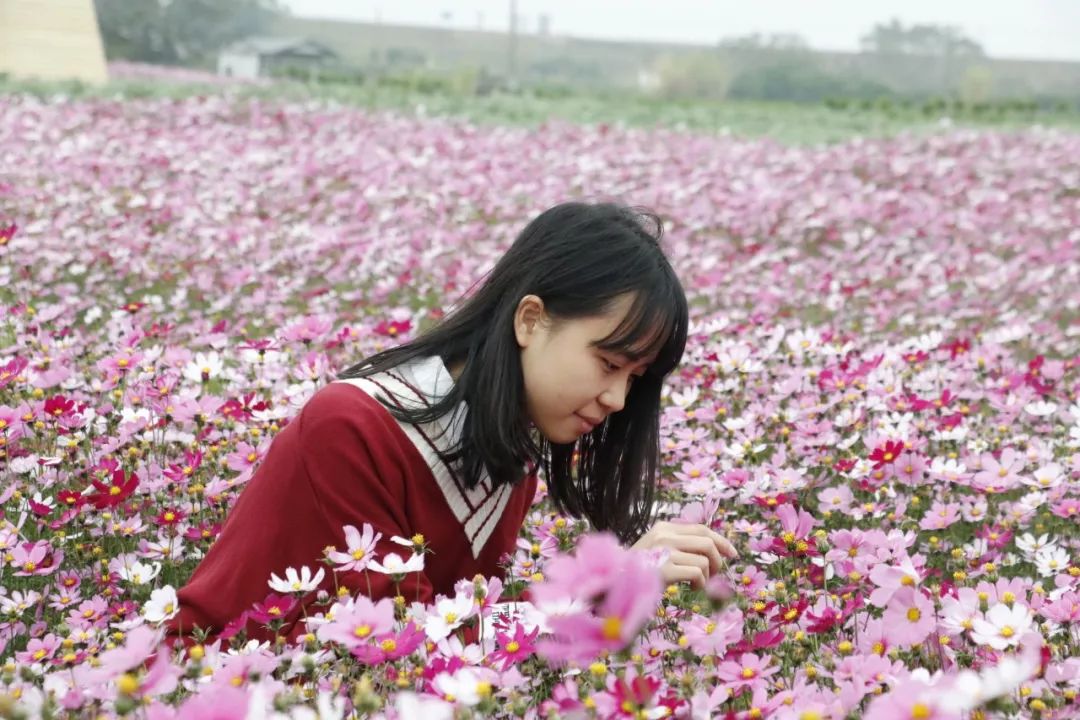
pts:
[955, 434]
[463, 686]
[1040, 409]
[1003, 626]
[205, 366]
[845, 418]
[685, 398]
[733, 424]
[950, 469]
[802, 341]
[138, 573]
[295, 582]
[162, 605]
[1051, 560]
[449, 614]
[969, 689]
[23, 465]
[927, 342]
[392, 564]
[1030, 545]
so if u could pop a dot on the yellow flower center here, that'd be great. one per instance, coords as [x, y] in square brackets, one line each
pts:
[358, 554]
[512, 646]
[1007, 631]
[611, 629]
[362, 631]
[913, 614]
[748, 673]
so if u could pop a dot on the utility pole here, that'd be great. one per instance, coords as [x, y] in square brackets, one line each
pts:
[512, 42]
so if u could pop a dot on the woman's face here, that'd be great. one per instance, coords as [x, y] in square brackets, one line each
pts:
[571, 385]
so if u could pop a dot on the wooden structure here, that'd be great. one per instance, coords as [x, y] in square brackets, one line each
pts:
[51, 40]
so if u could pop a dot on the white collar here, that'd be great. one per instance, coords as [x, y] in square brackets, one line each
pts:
[478, 509]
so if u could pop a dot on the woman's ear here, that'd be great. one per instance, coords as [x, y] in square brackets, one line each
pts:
[528, 318]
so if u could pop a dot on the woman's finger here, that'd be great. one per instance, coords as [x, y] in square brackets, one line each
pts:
[703, 547]
[683, 573]
[723, 545]
[681, 557]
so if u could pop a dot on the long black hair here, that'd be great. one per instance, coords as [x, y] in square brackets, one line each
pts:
[578, 258]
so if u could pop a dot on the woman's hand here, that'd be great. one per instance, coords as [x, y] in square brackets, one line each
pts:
[695, 551]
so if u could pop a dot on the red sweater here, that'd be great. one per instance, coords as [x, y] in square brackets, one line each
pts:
[344, 460]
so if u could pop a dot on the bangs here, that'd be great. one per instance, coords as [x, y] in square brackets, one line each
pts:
[655, 323]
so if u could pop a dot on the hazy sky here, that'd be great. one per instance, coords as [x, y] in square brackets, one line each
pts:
[1005, 28]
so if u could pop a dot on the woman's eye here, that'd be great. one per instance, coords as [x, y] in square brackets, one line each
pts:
[609, 366]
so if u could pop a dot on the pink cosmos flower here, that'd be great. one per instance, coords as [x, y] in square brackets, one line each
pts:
[1067, 508]
[617, 589]
[998, 475]
[746, 672]
[940, 516]
[796, 525]
[913, 698]
[1066, 609]
[219, 702]
[358, 549]
[636, 696]
[909, 617]
[712, 635]
[243, 460]
[35, 558]
[356, 622]
[389, 646]
[836, 499]
[749, 580]
[39, 650]
[890, 578]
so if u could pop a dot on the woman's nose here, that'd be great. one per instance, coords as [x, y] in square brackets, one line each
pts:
[614, 396]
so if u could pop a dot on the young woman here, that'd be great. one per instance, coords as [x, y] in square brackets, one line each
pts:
[555, 362]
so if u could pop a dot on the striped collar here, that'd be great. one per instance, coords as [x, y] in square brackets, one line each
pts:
[418, 384]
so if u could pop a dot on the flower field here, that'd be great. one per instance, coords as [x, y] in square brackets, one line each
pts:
[878, 406]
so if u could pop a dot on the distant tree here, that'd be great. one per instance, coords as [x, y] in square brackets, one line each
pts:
[772, 41]
[179, 32]
[893, 38]
[692, 75]
[800, 79]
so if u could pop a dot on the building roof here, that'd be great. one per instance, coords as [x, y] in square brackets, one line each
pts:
[264, 46]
